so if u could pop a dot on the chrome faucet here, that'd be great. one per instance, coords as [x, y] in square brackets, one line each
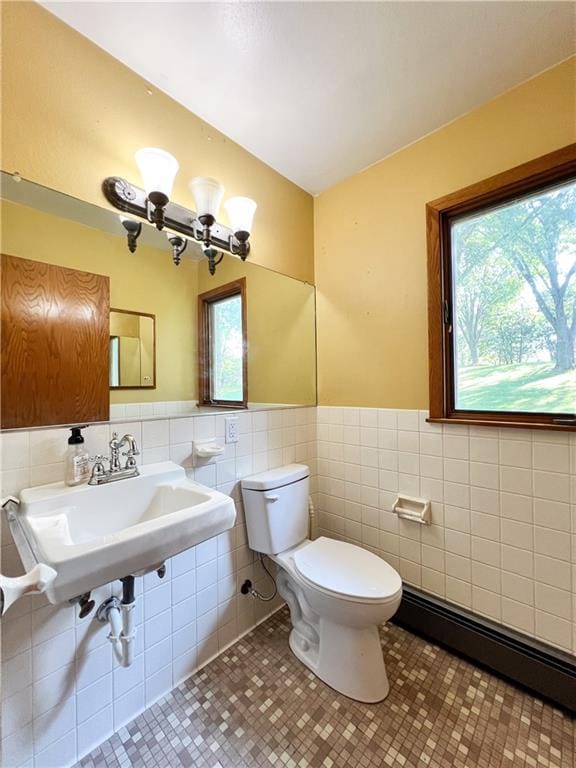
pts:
[100, 475]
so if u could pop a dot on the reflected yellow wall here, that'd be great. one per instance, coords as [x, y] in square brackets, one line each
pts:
[145, 281]
[370, 239]
[73, 115]
[124, 325]
[281, 332]
[129, 358]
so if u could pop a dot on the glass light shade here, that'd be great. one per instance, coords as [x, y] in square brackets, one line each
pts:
[208, 194]
[240, 212]
[158, 169]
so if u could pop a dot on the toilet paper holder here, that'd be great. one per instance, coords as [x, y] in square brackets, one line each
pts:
[413, 508]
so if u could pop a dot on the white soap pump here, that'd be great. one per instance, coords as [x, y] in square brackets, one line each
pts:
[77, 459]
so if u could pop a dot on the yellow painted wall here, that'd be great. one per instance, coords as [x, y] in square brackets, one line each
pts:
[280, 324]
[370, 239]
[129, 354]
[73, 115]
[145, 281]
[124, 325]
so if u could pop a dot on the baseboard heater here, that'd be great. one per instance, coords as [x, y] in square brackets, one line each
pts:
[543, 670]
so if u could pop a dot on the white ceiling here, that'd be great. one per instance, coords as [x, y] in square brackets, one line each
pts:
[320, 90]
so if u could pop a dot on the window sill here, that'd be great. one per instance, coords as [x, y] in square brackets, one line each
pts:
[504, 424]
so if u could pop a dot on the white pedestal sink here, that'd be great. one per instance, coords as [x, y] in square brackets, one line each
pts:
[91, 535]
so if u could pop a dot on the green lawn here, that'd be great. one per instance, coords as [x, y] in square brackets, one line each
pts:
[524, 387]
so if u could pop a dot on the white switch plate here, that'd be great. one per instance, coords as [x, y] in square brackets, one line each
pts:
[231, 429]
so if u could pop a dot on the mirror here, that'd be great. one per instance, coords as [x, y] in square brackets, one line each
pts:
[154, 344]
[132, 349]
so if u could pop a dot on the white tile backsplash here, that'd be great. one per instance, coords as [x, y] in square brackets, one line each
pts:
[503, 518]
[62, 691]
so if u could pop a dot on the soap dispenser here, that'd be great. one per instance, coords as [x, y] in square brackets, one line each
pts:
[77, 461]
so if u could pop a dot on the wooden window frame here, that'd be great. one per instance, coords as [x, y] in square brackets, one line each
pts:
[205, 300]
[554, 167]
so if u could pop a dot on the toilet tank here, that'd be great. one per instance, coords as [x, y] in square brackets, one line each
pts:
[276, 507]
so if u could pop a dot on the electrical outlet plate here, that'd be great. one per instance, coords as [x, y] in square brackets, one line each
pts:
[231, 429]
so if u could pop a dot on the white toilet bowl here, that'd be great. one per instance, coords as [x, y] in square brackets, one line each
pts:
[337, 593]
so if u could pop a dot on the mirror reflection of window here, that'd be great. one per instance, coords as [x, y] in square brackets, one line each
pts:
[132, 349]
[114, 361]
[223, 345]
[227, 349]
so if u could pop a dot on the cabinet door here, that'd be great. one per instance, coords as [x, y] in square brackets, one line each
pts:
[54, 345]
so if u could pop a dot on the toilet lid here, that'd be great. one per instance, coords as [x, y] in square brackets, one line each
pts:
[347, 570]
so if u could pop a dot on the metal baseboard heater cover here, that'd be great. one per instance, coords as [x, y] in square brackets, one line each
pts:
[543, 670]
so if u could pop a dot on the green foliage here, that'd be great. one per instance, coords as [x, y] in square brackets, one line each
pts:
[226, 321]
[515, 288]
[521, 255]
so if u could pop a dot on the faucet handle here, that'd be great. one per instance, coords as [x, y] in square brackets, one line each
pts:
[98, 468]
[130, 460]
[98, 458]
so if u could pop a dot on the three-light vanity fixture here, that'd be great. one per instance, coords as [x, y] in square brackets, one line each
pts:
[158, 169]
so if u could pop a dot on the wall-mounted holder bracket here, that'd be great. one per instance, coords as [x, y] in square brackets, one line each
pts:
[414, 509]
[207, 449]
[34, 582]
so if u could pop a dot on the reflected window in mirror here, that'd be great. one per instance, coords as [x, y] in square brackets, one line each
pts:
[132, 350]
[222, 346]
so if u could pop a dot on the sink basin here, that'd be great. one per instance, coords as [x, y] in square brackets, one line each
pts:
[92, 535]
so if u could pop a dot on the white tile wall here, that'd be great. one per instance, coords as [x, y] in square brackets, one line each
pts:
[503, 538]
[62, 691]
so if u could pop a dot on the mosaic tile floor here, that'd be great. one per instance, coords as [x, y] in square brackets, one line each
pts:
[256, 705]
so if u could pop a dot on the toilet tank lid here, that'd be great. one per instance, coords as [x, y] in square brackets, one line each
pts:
[276, 478]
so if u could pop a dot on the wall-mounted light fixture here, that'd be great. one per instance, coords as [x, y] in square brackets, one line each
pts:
[158, 169]
[178, 244]
[133, 230]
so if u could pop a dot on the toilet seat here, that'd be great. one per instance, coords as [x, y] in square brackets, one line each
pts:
[347, 571]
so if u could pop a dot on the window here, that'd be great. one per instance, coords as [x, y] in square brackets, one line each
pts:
[502, 298]
[222, 345]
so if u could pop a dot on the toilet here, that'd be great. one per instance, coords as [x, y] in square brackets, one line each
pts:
[337, 593]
